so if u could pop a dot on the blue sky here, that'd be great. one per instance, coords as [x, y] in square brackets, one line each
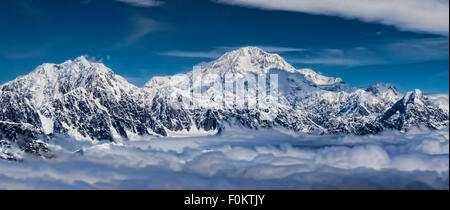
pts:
[362, 41]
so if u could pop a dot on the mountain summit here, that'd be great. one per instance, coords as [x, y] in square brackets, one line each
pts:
[248, 59]
[86, 100]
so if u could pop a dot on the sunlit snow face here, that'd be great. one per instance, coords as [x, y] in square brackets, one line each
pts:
[242, 159]
[233, 91]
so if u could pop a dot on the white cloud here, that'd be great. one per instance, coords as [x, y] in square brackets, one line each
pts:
[418, 49]
[97, 59]
[387, 53]
[242, 159]
[430, 16]
[270, 49]
[218, 51]
[353, 57]
[142, 26]
[399, 52]
[142, 3]
[193, 54]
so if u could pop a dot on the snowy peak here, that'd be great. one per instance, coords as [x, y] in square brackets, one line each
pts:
[180, 81]
[440, 100]
[73, 73]
[381, 88]
[414, 109]
[79, 72]
[317, 78]
[385, 91]
[414, 97]
[49, 81]
[78, 65]
[245, 60]
[82, 59]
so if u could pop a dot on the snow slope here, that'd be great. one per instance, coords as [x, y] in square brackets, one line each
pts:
[87, 101]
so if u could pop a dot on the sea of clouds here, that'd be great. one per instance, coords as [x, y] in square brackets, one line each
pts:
[241, 159]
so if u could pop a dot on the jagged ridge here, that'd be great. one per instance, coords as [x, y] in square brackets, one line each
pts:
[87, 100]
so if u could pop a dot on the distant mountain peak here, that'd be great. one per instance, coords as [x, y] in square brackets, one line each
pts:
[249, 51]
[319, 79]
[81, 59]
[415, 96]
[414, 109]
[80, 66]
[51, 80]
[245, 60]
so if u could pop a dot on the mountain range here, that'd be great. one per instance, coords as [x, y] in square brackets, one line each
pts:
[86, 100]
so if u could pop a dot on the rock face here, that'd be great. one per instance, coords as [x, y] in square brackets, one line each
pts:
[414, 109]
[86, 100]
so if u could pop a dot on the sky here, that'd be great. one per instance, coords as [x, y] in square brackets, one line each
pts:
[403, 42]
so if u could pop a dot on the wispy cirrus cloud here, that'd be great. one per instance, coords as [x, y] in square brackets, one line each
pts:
[142, 26]
[142, 3]
[396, 52]
[97, 59]
[192, 54]
[405, 51]
[282, 49]
[270, 49]
[431, 16]
[218, 51]
[357, 56]
[85, 2]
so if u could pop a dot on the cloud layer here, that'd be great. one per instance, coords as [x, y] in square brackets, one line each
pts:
[242, 159]
[431, 16]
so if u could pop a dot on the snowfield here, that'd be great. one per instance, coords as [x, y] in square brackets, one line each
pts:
[241, 159]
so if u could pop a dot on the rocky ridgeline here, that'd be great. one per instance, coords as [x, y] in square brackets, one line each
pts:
[86, 100]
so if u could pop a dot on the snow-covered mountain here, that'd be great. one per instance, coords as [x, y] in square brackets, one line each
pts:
[86, 100]
[414, 109]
